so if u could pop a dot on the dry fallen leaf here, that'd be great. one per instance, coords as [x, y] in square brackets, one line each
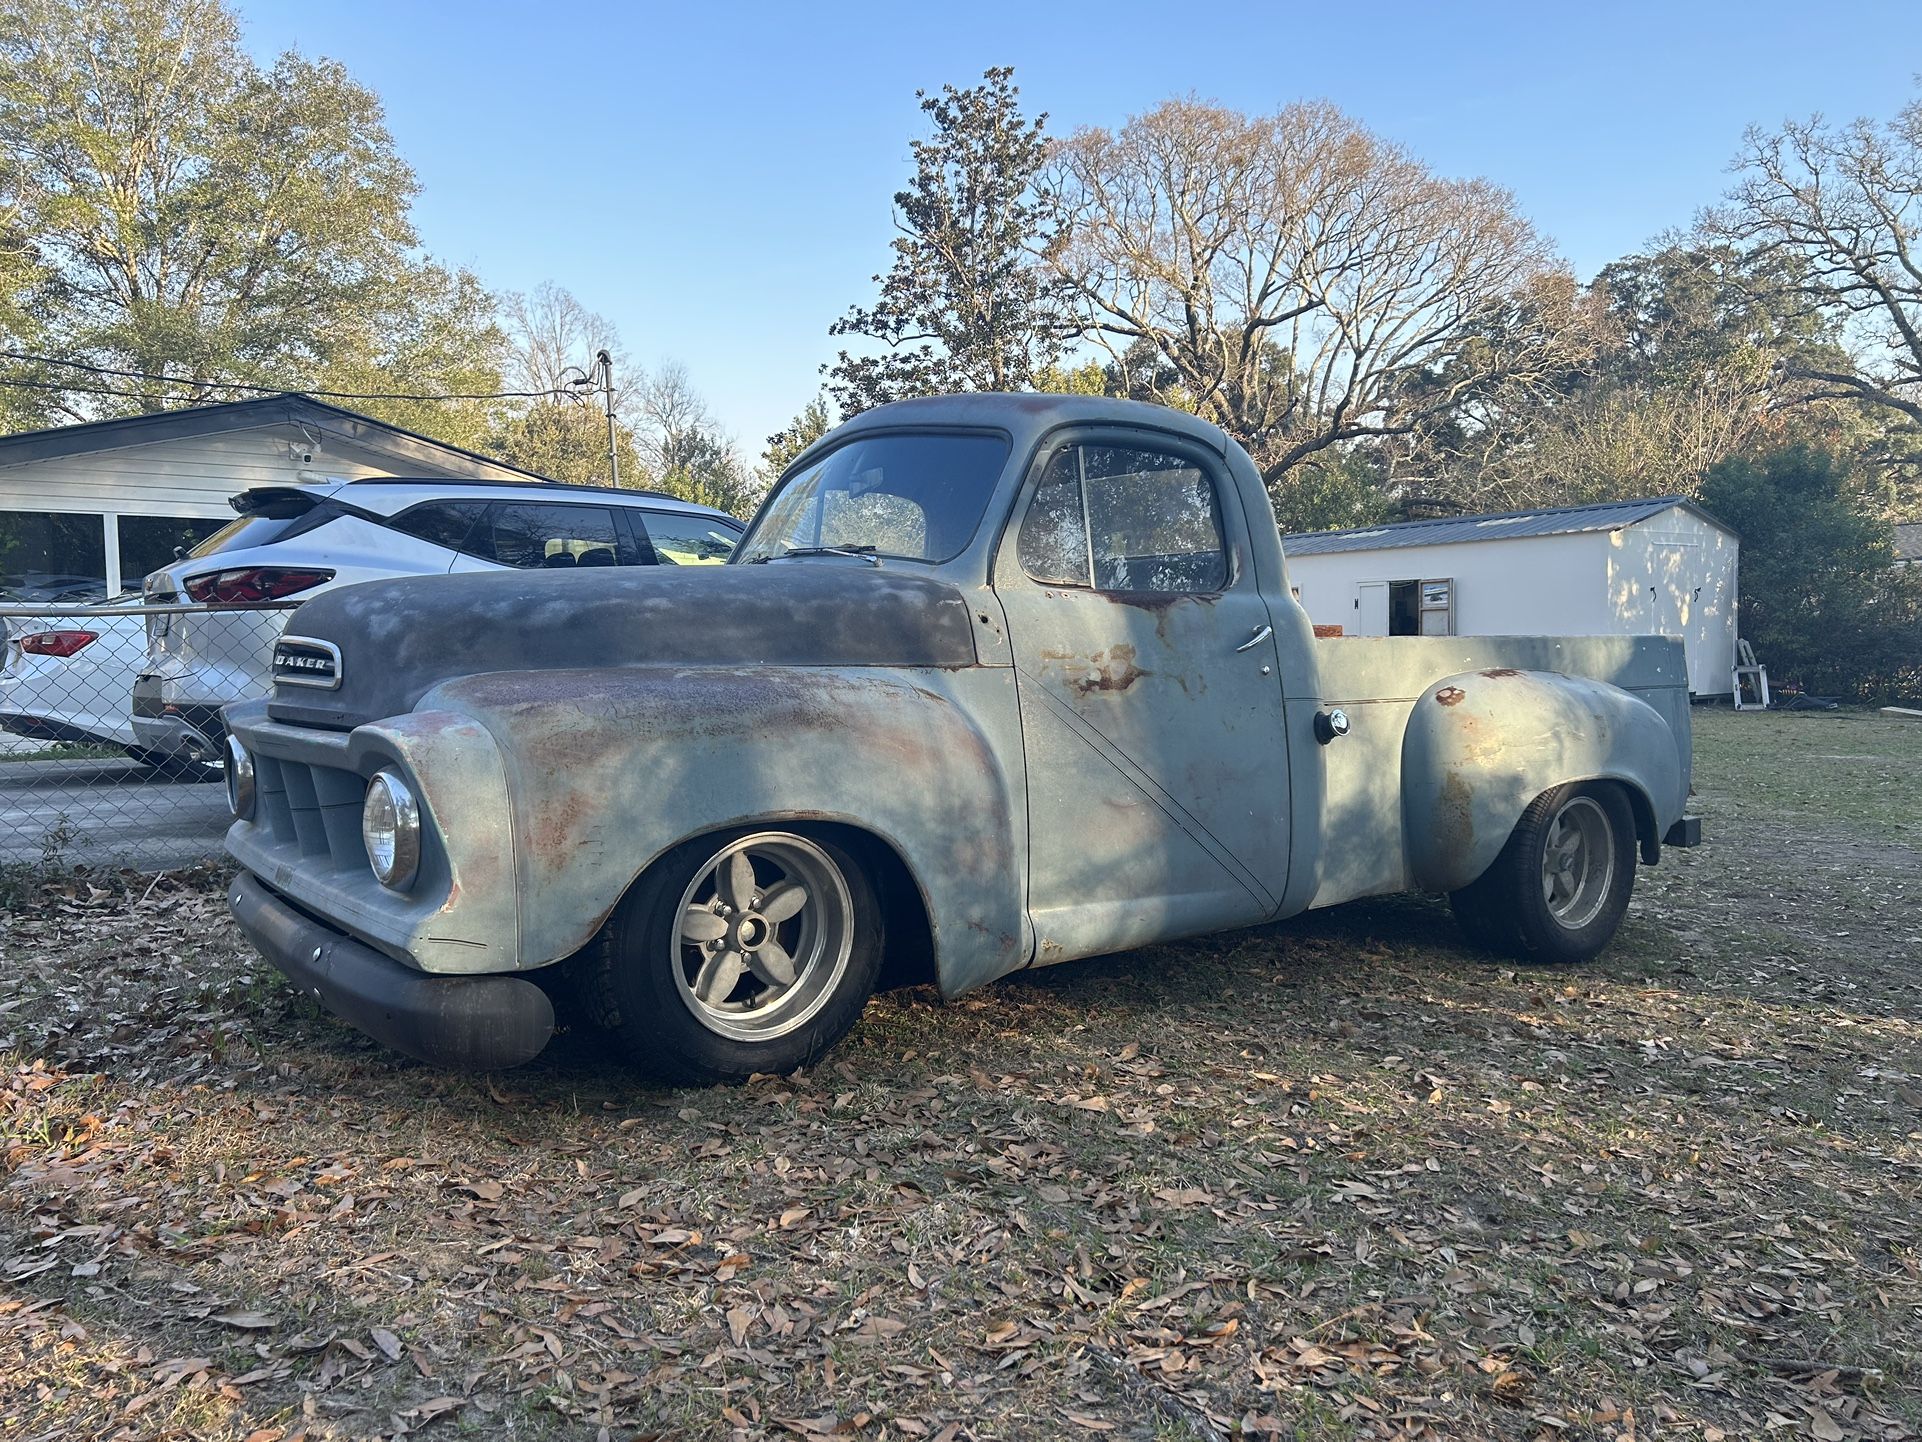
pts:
[246, 1321]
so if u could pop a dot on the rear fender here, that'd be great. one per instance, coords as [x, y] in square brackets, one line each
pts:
[610, 768]
[1481, 745]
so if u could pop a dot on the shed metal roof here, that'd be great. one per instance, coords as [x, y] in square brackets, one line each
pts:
[1498, 526]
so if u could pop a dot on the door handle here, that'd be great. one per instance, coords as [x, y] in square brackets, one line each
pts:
[1255, 640]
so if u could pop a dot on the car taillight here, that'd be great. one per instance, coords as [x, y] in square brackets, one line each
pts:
[57, 643]
[253, 583]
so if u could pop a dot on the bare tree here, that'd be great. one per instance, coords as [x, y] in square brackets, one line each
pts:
[1840, 207]
[552, 337]
[561, 430]
[1298, 280]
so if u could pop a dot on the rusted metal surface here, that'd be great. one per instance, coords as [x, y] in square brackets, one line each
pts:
[426, 629]
[1063, 770]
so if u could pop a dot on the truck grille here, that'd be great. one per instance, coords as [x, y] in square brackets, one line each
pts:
[313, 808]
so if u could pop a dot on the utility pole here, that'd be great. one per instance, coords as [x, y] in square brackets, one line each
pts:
[601, 378]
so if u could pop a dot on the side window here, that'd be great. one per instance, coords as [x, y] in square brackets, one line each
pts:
[532, 536]
[683, 540]
[1138, 519]
[1054, 535]
[440, 523]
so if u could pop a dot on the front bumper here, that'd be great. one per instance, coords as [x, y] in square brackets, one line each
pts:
[475, 1023]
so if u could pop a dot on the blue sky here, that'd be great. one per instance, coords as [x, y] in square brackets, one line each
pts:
[716, 178]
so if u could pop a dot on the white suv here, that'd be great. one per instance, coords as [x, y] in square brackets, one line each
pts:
[293, 542]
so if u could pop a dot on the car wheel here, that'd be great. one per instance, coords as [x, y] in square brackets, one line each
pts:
[750, 951]
[1559, 888]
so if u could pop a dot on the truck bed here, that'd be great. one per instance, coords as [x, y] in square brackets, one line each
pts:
[1377, 680]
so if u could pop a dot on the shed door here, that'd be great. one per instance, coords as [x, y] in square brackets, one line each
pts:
[1371, 608]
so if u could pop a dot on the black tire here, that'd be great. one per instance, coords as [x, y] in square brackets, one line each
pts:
[637, 984]
[1509, 907]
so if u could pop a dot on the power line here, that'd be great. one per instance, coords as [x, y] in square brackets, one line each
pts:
[75, 389]
[266, 390]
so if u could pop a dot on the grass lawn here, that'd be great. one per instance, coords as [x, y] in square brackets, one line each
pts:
[1340, 1177]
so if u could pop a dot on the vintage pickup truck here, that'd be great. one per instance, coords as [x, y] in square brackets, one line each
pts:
[993, 681]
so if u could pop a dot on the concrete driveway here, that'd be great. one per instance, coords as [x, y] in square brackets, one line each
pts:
[114, 813]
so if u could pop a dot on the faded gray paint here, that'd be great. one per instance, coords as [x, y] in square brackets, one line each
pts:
[1064, 772]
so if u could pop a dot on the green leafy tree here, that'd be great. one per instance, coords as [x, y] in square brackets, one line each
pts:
[1672, 364]
[1822, 601]
[684, 449]
[967, 305]
[815, 420]
[204, 220]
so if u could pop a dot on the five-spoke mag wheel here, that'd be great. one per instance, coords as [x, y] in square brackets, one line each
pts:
[766, 929]
[1560, 887]
[742, 952]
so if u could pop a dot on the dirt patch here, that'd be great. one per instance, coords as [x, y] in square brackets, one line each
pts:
[1342, 1177]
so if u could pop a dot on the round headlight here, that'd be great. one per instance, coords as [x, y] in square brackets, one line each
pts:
[390, 825]
[240, 780]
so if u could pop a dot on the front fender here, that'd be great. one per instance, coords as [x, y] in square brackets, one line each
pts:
[608, 769]
[1481, 745]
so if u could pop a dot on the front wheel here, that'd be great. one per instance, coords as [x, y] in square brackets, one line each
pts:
[740, 953]
[1559, 888]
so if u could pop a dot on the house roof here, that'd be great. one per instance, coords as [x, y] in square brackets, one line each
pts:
[289, 409]
[1496, 526]
[1908, 541]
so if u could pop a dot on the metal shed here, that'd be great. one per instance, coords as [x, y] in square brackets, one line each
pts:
[1661, 566]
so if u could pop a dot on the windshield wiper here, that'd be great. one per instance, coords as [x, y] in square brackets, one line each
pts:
[864, 553]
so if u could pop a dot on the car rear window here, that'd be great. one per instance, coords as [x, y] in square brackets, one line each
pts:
[247, 531]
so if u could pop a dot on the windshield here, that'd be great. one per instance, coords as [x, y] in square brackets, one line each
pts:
[915, 497]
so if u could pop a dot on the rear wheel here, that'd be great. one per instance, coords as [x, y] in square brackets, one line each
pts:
[740, 953]
[1559, 888]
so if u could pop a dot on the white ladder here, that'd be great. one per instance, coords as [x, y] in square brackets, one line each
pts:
[1748, 670]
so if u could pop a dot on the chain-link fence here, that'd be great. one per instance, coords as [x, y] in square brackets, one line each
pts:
[110, 731]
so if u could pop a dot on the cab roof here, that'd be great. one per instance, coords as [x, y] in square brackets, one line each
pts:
[1026, 417]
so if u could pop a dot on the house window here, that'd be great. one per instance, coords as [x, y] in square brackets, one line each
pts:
[149, 542]
[53, 556]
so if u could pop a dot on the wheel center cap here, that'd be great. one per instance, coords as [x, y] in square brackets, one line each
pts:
[751, 931]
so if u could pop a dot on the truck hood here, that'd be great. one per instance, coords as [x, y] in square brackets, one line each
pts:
[395, 640]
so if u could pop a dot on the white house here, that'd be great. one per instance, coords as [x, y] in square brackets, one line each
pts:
[97, 506]
[1661, 566]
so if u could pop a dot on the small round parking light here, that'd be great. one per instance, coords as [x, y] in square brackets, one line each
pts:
[390, 826]
[240, 780]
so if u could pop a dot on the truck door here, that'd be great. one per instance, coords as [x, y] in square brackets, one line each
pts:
[1150, 700]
